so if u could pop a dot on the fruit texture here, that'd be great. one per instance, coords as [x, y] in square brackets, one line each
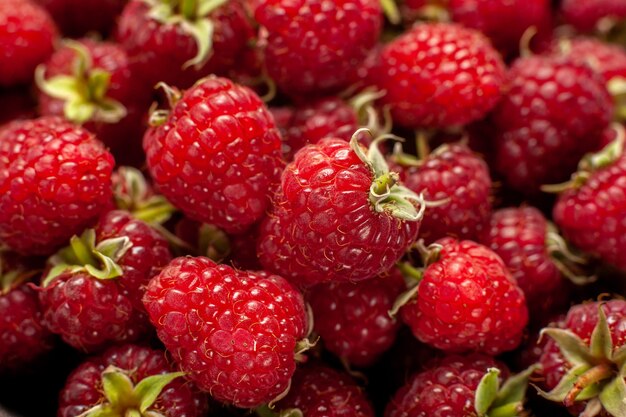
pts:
[585, 16]
[338, 216]
[467, 301]
[124, 368]
[102, 94]
[607, 59]
[553, 113]
[233, 332]
[458, 178]
[27, 36]
[111, 267]
[312, 45]
[168, 44]
[55, 179]
[79, 17]
[352, 318]
[439, 75]
[216, 156]
[320, 391]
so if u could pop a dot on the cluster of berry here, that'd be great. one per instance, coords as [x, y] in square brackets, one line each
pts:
[313, 208]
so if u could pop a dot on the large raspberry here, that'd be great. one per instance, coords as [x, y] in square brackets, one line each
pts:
[55, 179]
[467, 300]
[217, 155]
[313, 45]
[233, 332]
[439, 75]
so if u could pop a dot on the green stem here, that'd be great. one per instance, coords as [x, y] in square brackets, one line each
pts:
[150, 213]
[596, 374]
[411, 272]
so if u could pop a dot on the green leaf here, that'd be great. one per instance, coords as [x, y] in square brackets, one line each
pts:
[403, 299]
[148, 390]
[117, 386]
[101, 411]
[619, 357]
[79, 111]
[202, 32]
[514, 389]
[573, 348]
[487, 391]
[601, 345]
[63, 87]
[565, 385]
[613, 397]
[114, 248]
[98, 83]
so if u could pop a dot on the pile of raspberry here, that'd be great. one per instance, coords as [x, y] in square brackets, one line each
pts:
[312, 208]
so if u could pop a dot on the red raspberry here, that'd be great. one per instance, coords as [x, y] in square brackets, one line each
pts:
[313, 45]
[504, 21]
[27, 36]
[324, 118]
[447, 389]
[112, 106]
[77, 302]
[352, 319]
[439, 75]
[79, 17]
[233, 332]
[130, 364]
[324, 227]
[460, 179]
[583, 321]
[467, 300]
[586, 15]
[23, 337]
[520, 237]
[217, 155]
[554, 112]
[55, 179]
[591, 213]
[605, 58]
[319, 391]
[168, 50]
[414, 10]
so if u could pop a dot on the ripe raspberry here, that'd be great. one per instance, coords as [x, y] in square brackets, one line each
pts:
[596, 340]
[217, 155]
[79, 291]
[23, 338]
[414, 10]
[124, 368]
[27, 36]
[554, 112]
[79, 17]
[607, 59]
[338, 216]
[104, 95]
[167, 44]
[353, 320]
[520, 237]
[324, 118]
[456, 386]
[313, 45]
[586, 15]
[504, 21]
[590, 214]
[319, 391]
[460, 178]
[55, 179]
[467, 300]
[439, 75]
[233, 332]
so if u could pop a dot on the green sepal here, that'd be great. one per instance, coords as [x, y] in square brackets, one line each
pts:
[148, 389]
[117, 386]
[101, 411]
[613, 397]
[79, 111]
[266, 411]
[601, 344]
[202, 32]
[619, 357]
[206, 7]
[402, 300]
[487, 391]
[511, 396]
[391, 11]
[565, 385]
[572, 347]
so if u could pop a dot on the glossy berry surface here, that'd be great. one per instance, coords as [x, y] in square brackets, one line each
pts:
[55, 179]
[217, 156]
[554, 112]
[27, 36]
[320, 391]
[312, 45]
[460, 179]
[353, 319]
[439, 75]
[607, 59]
[322, 226]
[467, 301]
[233, 332]
[77, 305]
[84, 389]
